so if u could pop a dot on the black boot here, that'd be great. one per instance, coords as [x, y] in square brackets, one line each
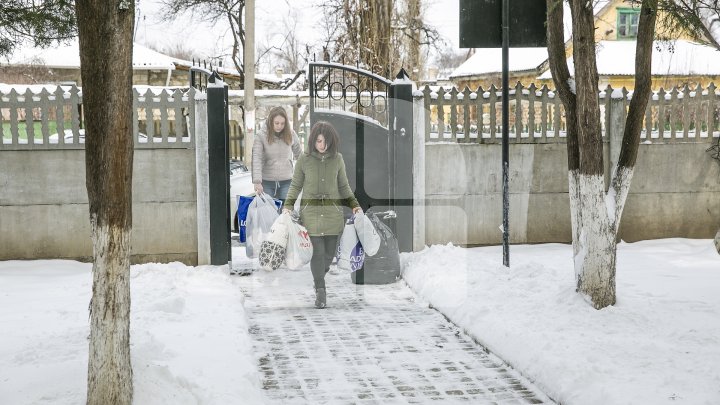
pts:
[320, 298]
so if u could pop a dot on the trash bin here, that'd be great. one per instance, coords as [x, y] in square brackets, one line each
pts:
[384, 266]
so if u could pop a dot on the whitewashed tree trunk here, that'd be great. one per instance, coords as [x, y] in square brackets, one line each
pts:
[109, 369]
[595, 256]
[717, 241]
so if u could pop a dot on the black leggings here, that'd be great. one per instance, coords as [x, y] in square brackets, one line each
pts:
[323, 253]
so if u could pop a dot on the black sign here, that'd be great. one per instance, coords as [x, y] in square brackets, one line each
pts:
[481, 23]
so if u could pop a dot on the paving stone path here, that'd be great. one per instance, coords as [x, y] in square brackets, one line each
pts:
[371, 345]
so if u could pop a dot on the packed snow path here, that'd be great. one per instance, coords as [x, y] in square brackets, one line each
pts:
[371, 345]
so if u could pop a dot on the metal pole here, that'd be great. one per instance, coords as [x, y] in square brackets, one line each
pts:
[249, 64]
[505, 124]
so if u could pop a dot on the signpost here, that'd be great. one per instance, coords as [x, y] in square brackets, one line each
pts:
[487, 24]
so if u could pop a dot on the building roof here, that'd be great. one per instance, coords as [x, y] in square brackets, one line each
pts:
[670, 58]
[489, 60]
[67, 56]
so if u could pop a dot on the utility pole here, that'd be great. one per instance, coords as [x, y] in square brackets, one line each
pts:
[249, 62]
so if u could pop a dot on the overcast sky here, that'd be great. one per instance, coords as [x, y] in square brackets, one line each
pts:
[210, 40]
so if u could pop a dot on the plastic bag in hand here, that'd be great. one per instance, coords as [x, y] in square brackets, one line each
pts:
[351, 255]
[262, 213]
[299, 247]
[367, 234]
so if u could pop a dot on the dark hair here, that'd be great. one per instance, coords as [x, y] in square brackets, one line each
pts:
[286, 133]
[331, 137]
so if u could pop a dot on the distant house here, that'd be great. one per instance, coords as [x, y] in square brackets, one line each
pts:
[61, 65]
[675, 63]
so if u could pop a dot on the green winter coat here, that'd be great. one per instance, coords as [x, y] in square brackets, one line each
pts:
[325, 187]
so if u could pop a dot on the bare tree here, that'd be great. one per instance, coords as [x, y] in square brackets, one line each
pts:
[106, 44]
[382, 35]
[214, 11]
[595, 214]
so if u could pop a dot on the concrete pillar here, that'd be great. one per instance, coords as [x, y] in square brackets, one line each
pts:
[203, 182]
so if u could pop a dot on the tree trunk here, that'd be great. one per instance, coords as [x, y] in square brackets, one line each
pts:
[105, 33]
[595, 215]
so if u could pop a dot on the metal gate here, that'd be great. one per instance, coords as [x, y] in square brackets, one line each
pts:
[373, 117]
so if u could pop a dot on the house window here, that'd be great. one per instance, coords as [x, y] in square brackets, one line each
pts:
[627, 22]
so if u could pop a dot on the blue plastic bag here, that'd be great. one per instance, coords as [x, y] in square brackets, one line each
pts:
[242, 210]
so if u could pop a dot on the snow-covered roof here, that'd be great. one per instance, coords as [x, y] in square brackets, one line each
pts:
[670, 58]
[68, 56]
[489, 60]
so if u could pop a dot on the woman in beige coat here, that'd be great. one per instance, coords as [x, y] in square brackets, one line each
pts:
[320, 175]
[272, 155]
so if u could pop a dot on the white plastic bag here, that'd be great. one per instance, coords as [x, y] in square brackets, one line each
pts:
[367, 234]
[299, 247]
[350, 252]
[262, 213]
[272, 250]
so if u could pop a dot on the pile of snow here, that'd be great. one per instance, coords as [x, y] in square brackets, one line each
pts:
[189, 339]
[660, 344]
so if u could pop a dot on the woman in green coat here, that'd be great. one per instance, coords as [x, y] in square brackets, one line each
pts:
[320, 175]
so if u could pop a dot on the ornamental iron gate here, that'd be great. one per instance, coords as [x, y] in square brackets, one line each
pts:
[373, 117]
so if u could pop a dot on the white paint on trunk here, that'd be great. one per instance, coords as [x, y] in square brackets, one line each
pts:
[717, 241]
[617, 194]
[595, 255]
[575, 214]
[109, 368]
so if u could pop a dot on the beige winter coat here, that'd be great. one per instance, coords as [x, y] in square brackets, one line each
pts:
[273, 162]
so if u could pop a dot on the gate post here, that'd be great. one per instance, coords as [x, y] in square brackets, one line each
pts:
[401, 153]
[218, 165]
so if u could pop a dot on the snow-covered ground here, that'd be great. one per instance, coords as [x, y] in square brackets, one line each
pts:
[659, 345]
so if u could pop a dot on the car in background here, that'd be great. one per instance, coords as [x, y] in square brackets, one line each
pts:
[240, 185]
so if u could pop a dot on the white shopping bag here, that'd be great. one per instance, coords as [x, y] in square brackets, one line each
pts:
[272, 250]
[350, 252]
[299, 247]
[262, 213]
[367, 234]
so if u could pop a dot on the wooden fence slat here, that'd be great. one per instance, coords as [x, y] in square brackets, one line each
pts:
[480, 106]
[441, 112]
[518, 112]
[164, 104]
[697, 111]
[661, 113]
[14, 127]
[711, 97]
[29, 123]
[453, 112]
[74, 101]
[493, 119]
[544, 113]
[673, 111]
[686, 112]
[466, 113]
[177, 104]
[531, 111]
